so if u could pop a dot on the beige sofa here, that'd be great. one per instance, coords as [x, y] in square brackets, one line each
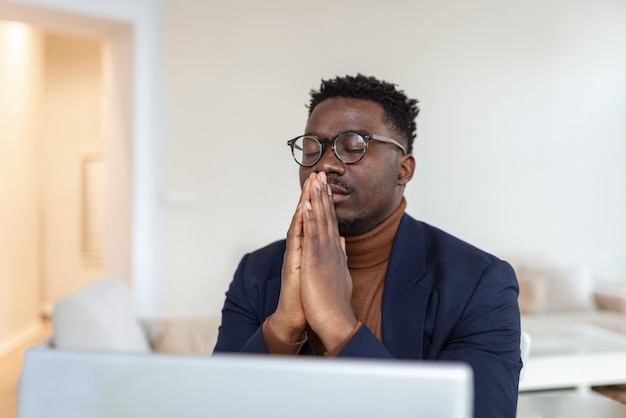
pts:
[101, 316]
[559, 292]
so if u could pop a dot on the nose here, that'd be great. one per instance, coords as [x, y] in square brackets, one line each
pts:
[329, 163]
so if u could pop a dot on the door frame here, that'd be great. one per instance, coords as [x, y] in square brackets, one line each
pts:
[130, 28]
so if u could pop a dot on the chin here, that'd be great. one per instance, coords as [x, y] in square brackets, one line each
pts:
[349, 227]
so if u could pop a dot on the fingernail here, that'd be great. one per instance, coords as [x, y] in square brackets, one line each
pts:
[322, 176]
[319, 185]
[307, 204]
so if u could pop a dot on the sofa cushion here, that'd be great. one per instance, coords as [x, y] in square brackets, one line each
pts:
[100, 316]
[571, 289]
[555, 288]
[187, 335]
[533, 291]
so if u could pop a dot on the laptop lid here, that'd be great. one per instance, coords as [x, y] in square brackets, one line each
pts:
[85, 384]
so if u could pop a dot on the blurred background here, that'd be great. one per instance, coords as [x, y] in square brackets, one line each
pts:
[146, 140]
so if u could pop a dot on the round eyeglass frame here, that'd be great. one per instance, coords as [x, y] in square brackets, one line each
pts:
[333, 141]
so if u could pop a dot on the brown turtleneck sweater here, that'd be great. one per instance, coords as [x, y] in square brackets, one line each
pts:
[368, 256]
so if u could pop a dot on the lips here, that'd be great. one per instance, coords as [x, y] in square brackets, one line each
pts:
[338, 190]
[341, 192]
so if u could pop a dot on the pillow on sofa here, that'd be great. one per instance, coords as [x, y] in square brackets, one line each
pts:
[555, 288]
[100, 316]
[533, 291]
[570, 288]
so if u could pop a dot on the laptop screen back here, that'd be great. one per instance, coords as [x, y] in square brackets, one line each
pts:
[60, 383]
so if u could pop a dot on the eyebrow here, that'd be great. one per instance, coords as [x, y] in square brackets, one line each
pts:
[358, 130]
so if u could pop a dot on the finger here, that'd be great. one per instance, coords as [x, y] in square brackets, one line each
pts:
[308, 216]
[295, 232]
[318, 194]
[315, 223]
[329, 206]
[305, 194]
[325, 209]
[295, 227]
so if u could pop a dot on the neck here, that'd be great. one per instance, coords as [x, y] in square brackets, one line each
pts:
[374, 246]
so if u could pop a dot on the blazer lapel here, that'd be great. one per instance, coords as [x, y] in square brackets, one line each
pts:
[404, 300]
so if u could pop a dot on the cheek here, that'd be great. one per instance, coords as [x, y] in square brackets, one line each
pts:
[304, 174]
[385, 182]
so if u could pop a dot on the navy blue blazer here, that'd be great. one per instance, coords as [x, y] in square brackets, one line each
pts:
[443, 299]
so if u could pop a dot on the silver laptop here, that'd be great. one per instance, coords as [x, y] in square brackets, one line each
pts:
[85, 384]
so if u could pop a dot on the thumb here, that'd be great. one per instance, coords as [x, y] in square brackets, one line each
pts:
[342, 241]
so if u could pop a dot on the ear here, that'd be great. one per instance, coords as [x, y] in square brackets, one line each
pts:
[407, 168]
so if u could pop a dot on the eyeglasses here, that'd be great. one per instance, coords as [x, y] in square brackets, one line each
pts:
[349, 147]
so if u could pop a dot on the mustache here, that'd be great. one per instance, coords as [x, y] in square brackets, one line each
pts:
[340, 183]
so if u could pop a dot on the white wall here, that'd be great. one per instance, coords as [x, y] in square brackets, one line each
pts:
[20, 86]
[521, 142]
[521, 135]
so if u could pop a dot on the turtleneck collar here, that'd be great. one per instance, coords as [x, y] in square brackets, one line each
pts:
[374, 247]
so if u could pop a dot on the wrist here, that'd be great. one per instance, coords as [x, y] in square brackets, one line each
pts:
[285, 331]
[336, 333]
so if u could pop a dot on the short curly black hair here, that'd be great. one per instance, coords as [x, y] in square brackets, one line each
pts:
[400, 111]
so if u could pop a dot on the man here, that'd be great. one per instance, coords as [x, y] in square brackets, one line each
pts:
[358, 277]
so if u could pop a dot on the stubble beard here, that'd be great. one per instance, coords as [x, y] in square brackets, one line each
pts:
[350, 227]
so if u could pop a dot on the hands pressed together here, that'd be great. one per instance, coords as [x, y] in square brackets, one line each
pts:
[316, 287]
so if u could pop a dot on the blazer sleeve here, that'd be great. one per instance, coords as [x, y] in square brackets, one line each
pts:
[241, 327]
[487, 336]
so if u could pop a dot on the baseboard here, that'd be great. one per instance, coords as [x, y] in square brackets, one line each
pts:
[20, 337]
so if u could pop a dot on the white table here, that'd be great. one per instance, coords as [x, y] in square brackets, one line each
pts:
[573, 356]
[568, 404]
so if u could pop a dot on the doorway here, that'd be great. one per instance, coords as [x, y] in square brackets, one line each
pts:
[72, 165]
[66, 211]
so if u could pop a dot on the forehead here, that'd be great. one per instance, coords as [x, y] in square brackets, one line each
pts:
[338, 114]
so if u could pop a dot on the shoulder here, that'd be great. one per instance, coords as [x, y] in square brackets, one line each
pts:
[267, 258]
[444, 258]
[438, 244]
[270, 250]
[257, 280]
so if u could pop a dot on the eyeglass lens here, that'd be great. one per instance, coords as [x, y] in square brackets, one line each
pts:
[349, 146]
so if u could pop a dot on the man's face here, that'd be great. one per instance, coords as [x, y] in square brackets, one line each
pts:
[368, 192]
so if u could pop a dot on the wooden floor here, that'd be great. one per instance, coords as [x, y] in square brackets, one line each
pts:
[10, 366]
[616, 392]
